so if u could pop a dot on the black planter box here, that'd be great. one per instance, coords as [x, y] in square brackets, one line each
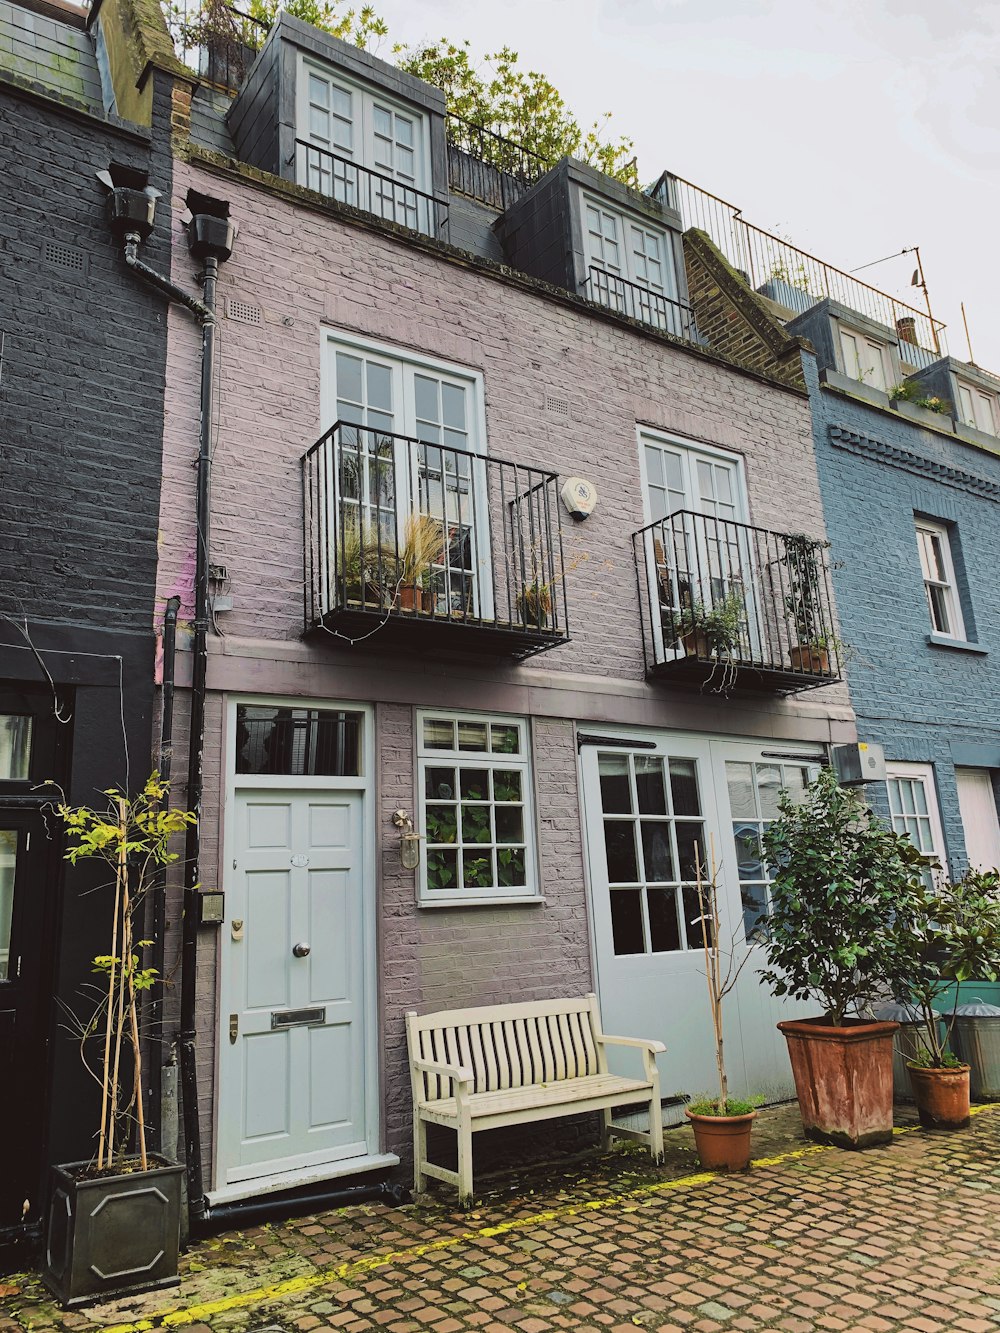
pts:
[112, 1235]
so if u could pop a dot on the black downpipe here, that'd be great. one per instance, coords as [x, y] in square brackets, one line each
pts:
[196, 752]
[253, 1212]
[158, 922]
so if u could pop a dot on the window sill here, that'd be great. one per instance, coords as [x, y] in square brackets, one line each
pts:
[496, 900]
[960, 645]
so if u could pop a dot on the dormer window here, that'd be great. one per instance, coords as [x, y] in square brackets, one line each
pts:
[630, 267]
[979, 408]
[865, 359]
[362, 148]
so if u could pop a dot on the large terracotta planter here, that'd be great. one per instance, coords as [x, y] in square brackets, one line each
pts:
[723, 1141]
[942, 1096]
[843, 1079]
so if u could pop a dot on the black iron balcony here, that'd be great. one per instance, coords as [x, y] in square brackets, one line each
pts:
[486, 166]
[387, 197]
[641, 303]
[728, 606]
[409, 543]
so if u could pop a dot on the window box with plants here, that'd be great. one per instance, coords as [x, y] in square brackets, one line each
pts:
[910, 401]
[114, 1222]
[838, 874]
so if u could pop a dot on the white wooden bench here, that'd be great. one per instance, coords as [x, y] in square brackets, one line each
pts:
[474, 1069]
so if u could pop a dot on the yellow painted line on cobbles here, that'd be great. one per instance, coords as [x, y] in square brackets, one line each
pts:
[354, 1268]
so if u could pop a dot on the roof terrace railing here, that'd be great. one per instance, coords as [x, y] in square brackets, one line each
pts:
[792, 277]
[488, 167]
[372, 191]
[216, 39]
[641, 303]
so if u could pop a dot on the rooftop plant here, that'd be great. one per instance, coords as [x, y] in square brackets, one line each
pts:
[909, 391]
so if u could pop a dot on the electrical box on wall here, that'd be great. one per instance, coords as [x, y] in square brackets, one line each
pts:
[854, 764]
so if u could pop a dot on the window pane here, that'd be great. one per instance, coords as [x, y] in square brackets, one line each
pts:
[510, 823]
[768, 789]
[626, 921]
[476, 827]
[379, 387]
[504, 740]
[472, 736]
[754, 900]
[349, 370]
[474, 784]
[684, 787]
[938, 605]
[657, 852]
[619, 838]
[453, 406]
[664, 934]
[742, 800]
[442, 870]
[297, 742]
[511, 867]
[691, 851]
[616, 791]
[426, 398]
[440, 784]
[477, 870]
[506, 784]
[439, 734]
[748, 851]
[650, 791]
[15, 747]
[442, 823]
[8, 867]
[694, 932]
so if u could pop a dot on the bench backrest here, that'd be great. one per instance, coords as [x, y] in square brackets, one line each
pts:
[509, 1045]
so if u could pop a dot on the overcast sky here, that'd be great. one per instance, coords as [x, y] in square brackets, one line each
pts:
[854, 129]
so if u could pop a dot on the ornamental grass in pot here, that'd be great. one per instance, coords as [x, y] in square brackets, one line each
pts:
[114, 1221]
[947, 933]
[838, 874]
[722, 1124]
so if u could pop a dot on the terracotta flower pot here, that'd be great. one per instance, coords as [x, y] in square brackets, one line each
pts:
[843, 1079]
[414, 598]
[942, 1095]
[723, 1141]
[816, 661]
[695, 644]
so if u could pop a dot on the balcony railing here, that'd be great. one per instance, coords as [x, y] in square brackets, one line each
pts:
[641, 303]
[485, 166]
[218, 40]
[372, 191]
[730, 606]
[792, 277]
[411, 543]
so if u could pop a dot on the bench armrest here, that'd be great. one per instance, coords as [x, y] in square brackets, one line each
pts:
[641, 1043]
[457, 1073]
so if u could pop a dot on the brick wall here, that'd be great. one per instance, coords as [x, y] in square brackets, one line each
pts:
[914, 699]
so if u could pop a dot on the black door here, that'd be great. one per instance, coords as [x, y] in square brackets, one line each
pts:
[29, 872]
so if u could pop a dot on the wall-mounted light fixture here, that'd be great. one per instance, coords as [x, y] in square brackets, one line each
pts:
[409, 842]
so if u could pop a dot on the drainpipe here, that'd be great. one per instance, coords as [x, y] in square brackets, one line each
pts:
[210, 238]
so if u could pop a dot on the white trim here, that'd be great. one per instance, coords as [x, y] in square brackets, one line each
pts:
[309, 1175]
[988, 398]
[924, 774]
[530, 891]
[365, 784]
[953, 605]
[685, 443]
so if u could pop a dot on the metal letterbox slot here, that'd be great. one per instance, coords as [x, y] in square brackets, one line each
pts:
[293, 1018]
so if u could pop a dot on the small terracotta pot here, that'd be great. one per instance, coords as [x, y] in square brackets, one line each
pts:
[816, 661]
[413, 598]
[843, 1079]
[723, 1141]
[942, 1095]
[695, 644]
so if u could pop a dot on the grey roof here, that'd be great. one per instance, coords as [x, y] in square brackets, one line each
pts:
[208, 120]
[56, 57]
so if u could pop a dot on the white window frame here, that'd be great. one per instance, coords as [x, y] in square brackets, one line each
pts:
[667, 316]
[978, 398]
[404, 366]
[949, 587]
[874, 345]
[362, 152]
[924, 775]
[529, 892]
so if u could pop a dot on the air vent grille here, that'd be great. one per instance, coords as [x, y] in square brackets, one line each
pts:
[244, 312]
[69, 257]
[557, 404]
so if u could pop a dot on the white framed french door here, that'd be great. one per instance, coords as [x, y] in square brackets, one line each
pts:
[653, 802]
[419, 450]
[701, 556]
[978, 806]
[298, 1094]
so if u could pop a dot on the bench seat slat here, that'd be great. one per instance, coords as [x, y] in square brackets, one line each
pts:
[563, 1093]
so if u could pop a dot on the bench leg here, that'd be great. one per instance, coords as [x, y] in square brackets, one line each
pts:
[419, 1152]
[464, 1164]
[605, 1129]
[656, 1124]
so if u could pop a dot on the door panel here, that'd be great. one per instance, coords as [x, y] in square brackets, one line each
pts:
[296, 985]
[979, 817]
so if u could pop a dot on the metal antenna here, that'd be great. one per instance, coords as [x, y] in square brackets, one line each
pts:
[968, 340]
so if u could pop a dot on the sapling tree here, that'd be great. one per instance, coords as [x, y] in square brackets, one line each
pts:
[131, 836]
[838, 876]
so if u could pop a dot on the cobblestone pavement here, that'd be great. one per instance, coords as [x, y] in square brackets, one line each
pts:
[905, 1237]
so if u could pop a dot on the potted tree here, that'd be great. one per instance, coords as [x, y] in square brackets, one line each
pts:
[838, 873]
[806, 605]
[114, 1221]
[946, 933]
[722, 1124]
